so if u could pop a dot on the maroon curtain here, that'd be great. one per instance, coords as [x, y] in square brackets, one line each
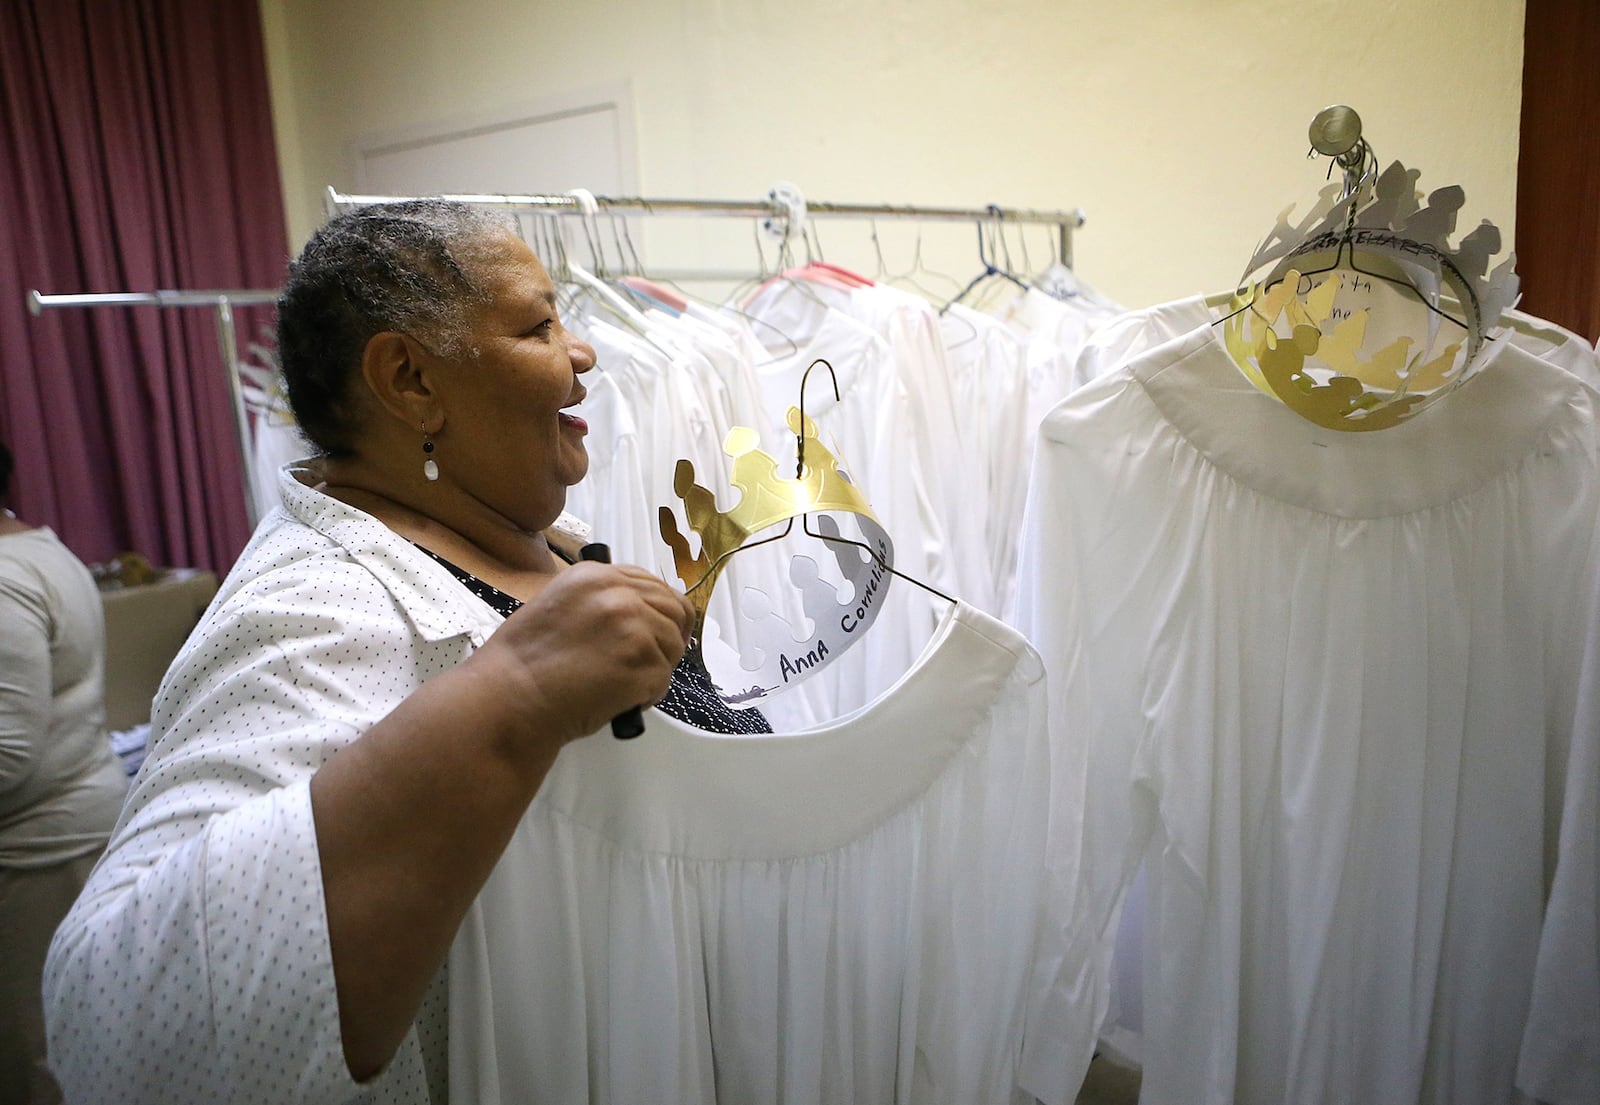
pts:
[136, 154]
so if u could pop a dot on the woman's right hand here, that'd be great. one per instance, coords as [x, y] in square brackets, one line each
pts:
[412, 817]
[597, 640]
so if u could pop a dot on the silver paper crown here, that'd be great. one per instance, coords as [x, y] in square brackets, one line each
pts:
[1389, 218]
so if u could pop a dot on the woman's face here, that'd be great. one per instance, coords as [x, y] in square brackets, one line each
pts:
[510, 438]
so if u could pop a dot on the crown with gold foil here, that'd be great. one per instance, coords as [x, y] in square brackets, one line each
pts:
[1293, 343]
[766, 498]
[1361, 394]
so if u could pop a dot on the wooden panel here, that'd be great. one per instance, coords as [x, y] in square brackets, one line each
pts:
[1558, 168]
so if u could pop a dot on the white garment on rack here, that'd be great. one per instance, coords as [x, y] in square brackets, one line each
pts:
[869, 429]
[714, 390]
[916, 435]
[687, 390]
[1556, 344]
[730, 355]
[1118, 340]
[989, 374]
[843, 915]
[1340, 693]
[275, 441]
[944, 472]
[929, 432]
[1109, 345]
[1116, 343]
[635, 368]
[612, 497]
[1056, 329]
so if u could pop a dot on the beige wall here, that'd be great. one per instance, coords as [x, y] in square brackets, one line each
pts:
[1178, 125]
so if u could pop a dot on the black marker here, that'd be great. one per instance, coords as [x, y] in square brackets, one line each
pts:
[629, 723]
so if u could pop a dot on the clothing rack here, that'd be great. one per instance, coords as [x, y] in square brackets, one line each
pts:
[784, 209]
[222, 302]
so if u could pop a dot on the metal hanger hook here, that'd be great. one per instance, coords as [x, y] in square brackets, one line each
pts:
[877, 249]
[800, 434]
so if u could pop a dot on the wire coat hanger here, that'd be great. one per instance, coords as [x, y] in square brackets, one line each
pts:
[989, 269]
[715, 567]
[805, 519]
[1354, 155]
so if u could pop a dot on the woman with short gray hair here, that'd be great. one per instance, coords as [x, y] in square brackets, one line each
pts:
[345, 745]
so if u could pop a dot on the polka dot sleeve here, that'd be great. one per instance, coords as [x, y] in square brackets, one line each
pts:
[196, 967]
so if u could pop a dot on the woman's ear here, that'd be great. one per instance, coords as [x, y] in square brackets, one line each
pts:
[396, 369]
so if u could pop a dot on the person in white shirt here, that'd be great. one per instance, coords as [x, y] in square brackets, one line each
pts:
[343, 748]
[60, 784]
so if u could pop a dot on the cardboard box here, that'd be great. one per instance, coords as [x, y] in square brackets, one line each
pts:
[145, 627]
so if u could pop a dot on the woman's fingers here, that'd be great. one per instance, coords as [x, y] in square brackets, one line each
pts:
[597, 640]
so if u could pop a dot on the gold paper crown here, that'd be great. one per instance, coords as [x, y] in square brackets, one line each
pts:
[1382, 220]
[766, 499]
[1276, 364]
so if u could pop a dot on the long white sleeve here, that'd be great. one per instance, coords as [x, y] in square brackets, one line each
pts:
[196, 966]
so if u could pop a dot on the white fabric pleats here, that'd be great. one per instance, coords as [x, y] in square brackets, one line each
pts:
[842, 915]
[1340, 695]
[933, 418]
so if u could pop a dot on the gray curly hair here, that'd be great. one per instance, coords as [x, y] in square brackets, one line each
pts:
[405, 266]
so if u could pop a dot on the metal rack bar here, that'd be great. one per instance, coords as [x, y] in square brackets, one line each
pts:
[1066, 221]
[243, 297]
[221, 302]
